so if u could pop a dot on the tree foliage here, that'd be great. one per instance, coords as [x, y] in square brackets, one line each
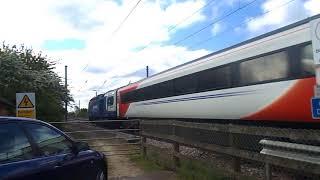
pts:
[21, 70]
[80, 113]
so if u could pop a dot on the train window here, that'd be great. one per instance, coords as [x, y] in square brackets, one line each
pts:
[215, 78]
[267, 68]
[186, 84]
[146, 93]
[127, 97]
[124, 98]
[307, 64]
[138, 95]
[165, 89]
[110, 100]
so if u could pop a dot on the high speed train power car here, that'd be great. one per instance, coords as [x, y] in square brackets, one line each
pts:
[267, 78]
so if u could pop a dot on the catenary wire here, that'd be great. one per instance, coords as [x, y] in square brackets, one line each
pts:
[214, 22]
[240, 24]
[119, 26]
[175, 26]
[221, 19]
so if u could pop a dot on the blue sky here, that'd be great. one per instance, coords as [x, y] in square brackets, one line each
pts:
[221, 39]
[80, 33]
[64, 44]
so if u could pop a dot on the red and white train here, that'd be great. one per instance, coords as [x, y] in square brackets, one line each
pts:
[267, 78]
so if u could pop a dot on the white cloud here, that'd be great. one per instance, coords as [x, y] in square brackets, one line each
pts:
[278, 13]
[313, 6]
[32, 22]
[216, 29]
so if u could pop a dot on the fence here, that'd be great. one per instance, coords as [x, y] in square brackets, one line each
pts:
[270, 150]
[99, 135]
[280, 150]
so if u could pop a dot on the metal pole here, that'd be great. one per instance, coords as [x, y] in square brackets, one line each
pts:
[147, 69]
[66, 86]
[79, 105]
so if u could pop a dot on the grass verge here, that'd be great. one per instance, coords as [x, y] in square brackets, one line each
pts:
[189, 169]
[146, 164]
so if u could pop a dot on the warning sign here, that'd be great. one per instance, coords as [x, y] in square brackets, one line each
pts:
[26, 113]
[25, 104]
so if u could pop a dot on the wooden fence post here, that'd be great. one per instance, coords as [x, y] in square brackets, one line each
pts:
[143, 147]
[176, 149]
[176, 159]
[235, 160]
[267, 171]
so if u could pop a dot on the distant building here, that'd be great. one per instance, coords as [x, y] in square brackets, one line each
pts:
[6, 108]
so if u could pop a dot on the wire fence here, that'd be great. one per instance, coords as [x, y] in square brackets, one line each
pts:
[256, 151]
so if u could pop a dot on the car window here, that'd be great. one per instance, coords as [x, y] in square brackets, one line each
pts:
[49, 141]
[14, 145]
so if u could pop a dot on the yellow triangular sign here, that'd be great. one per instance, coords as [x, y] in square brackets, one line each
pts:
[25, 102]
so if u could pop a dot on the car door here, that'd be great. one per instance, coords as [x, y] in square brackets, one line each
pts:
[55, 145]
[19, 158]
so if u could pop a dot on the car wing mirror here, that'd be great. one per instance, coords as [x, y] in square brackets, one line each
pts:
[80, 146]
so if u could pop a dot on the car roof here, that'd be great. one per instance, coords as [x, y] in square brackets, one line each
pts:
[8, 118]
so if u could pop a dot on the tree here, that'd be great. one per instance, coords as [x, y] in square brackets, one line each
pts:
[21, 70]
[80, 113]
[83, 113]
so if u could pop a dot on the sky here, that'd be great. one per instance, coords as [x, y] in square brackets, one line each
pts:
[103, 51]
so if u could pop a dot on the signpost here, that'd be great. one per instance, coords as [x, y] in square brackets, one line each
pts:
[26, 105]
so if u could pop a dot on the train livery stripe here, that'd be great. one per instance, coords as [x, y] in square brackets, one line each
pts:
[199, 97]
[292, 105]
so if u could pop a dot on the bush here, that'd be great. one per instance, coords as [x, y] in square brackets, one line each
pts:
[24, 71]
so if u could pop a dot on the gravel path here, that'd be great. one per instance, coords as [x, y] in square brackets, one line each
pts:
[119, 166]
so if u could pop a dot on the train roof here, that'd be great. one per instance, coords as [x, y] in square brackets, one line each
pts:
[290, 26]
[96, 97]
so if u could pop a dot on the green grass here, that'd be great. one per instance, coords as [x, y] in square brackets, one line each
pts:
[146, 164]
[189, 169]
[192, 170]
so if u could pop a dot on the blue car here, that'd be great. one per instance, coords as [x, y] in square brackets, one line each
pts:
[32, 150]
